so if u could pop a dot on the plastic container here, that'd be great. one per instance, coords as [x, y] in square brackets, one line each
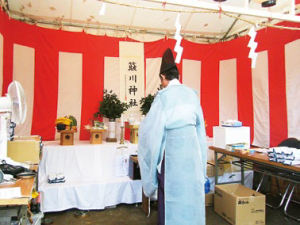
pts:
[207, 186]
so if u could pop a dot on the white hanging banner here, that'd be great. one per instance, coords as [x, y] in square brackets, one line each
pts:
[131, 55]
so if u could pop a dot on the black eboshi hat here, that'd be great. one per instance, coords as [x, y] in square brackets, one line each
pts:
[167, 61]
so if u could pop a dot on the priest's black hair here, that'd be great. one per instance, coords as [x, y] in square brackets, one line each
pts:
[171, 74]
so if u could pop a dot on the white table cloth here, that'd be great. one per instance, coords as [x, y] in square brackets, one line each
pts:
[89, 174]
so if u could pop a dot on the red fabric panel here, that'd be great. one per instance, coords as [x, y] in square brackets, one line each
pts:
[210, 93]
[244, 90]
[45, 92]
[277, 91]
[7, 63]
[7, 52]
[92, 87]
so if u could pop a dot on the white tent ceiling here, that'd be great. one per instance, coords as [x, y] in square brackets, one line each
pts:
[201, 20]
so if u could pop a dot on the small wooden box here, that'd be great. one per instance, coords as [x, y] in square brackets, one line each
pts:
[96, 136]
[67, 137]
[134, 138]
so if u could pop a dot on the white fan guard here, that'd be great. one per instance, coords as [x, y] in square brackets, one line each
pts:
[19, 106]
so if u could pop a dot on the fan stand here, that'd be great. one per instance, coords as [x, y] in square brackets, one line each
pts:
[4, 117]
[12, 108]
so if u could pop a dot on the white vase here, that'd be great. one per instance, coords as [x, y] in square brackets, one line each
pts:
[131, 120]
[112, 129]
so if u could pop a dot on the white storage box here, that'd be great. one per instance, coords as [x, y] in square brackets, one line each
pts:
[231, 135]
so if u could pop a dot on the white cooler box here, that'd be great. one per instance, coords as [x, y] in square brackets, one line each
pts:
[231, 135]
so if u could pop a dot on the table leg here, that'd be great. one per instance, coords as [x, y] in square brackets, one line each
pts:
[24, 214]
[216, 168]
[242, 172]
[287, 204]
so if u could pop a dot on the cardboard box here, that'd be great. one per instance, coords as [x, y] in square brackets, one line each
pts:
[24, 150]
[231, 135]
[209, 198]
[240, 205]
[27, 138]
[211, 170]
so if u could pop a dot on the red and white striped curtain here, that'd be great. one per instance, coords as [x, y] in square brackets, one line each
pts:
[65, 73]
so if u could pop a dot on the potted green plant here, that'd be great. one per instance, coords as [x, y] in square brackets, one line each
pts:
[145, 103]
[111, 108]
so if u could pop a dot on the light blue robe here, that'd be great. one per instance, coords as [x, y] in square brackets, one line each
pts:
[174, 126]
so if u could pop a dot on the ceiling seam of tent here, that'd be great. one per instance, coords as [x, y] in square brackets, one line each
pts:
[61, 24]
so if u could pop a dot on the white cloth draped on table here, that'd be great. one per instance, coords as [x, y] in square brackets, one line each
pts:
[89, 174]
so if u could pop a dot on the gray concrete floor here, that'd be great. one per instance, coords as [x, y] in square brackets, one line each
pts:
[132, 214]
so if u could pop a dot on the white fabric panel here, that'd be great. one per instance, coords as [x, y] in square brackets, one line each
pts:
[23, 71]
[89, 172]
[1, 63]
[261, 108]
[152, 75]
[210, 153]
[112, 82]
[112, 74]
[227, 90]
[70, 93]
[292, 59]
[191, 74]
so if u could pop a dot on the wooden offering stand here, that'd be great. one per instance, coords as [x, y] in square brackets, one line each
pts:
[96, 136]
[133, 133]
[67, 137]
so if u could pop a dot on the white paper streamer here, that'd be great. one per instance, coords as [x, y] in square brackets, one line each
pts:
[102, 10]
[178, 38]
[252, 45]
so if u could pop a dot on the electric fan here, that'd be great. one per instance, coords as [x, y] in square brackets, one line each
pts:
[13, 109]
